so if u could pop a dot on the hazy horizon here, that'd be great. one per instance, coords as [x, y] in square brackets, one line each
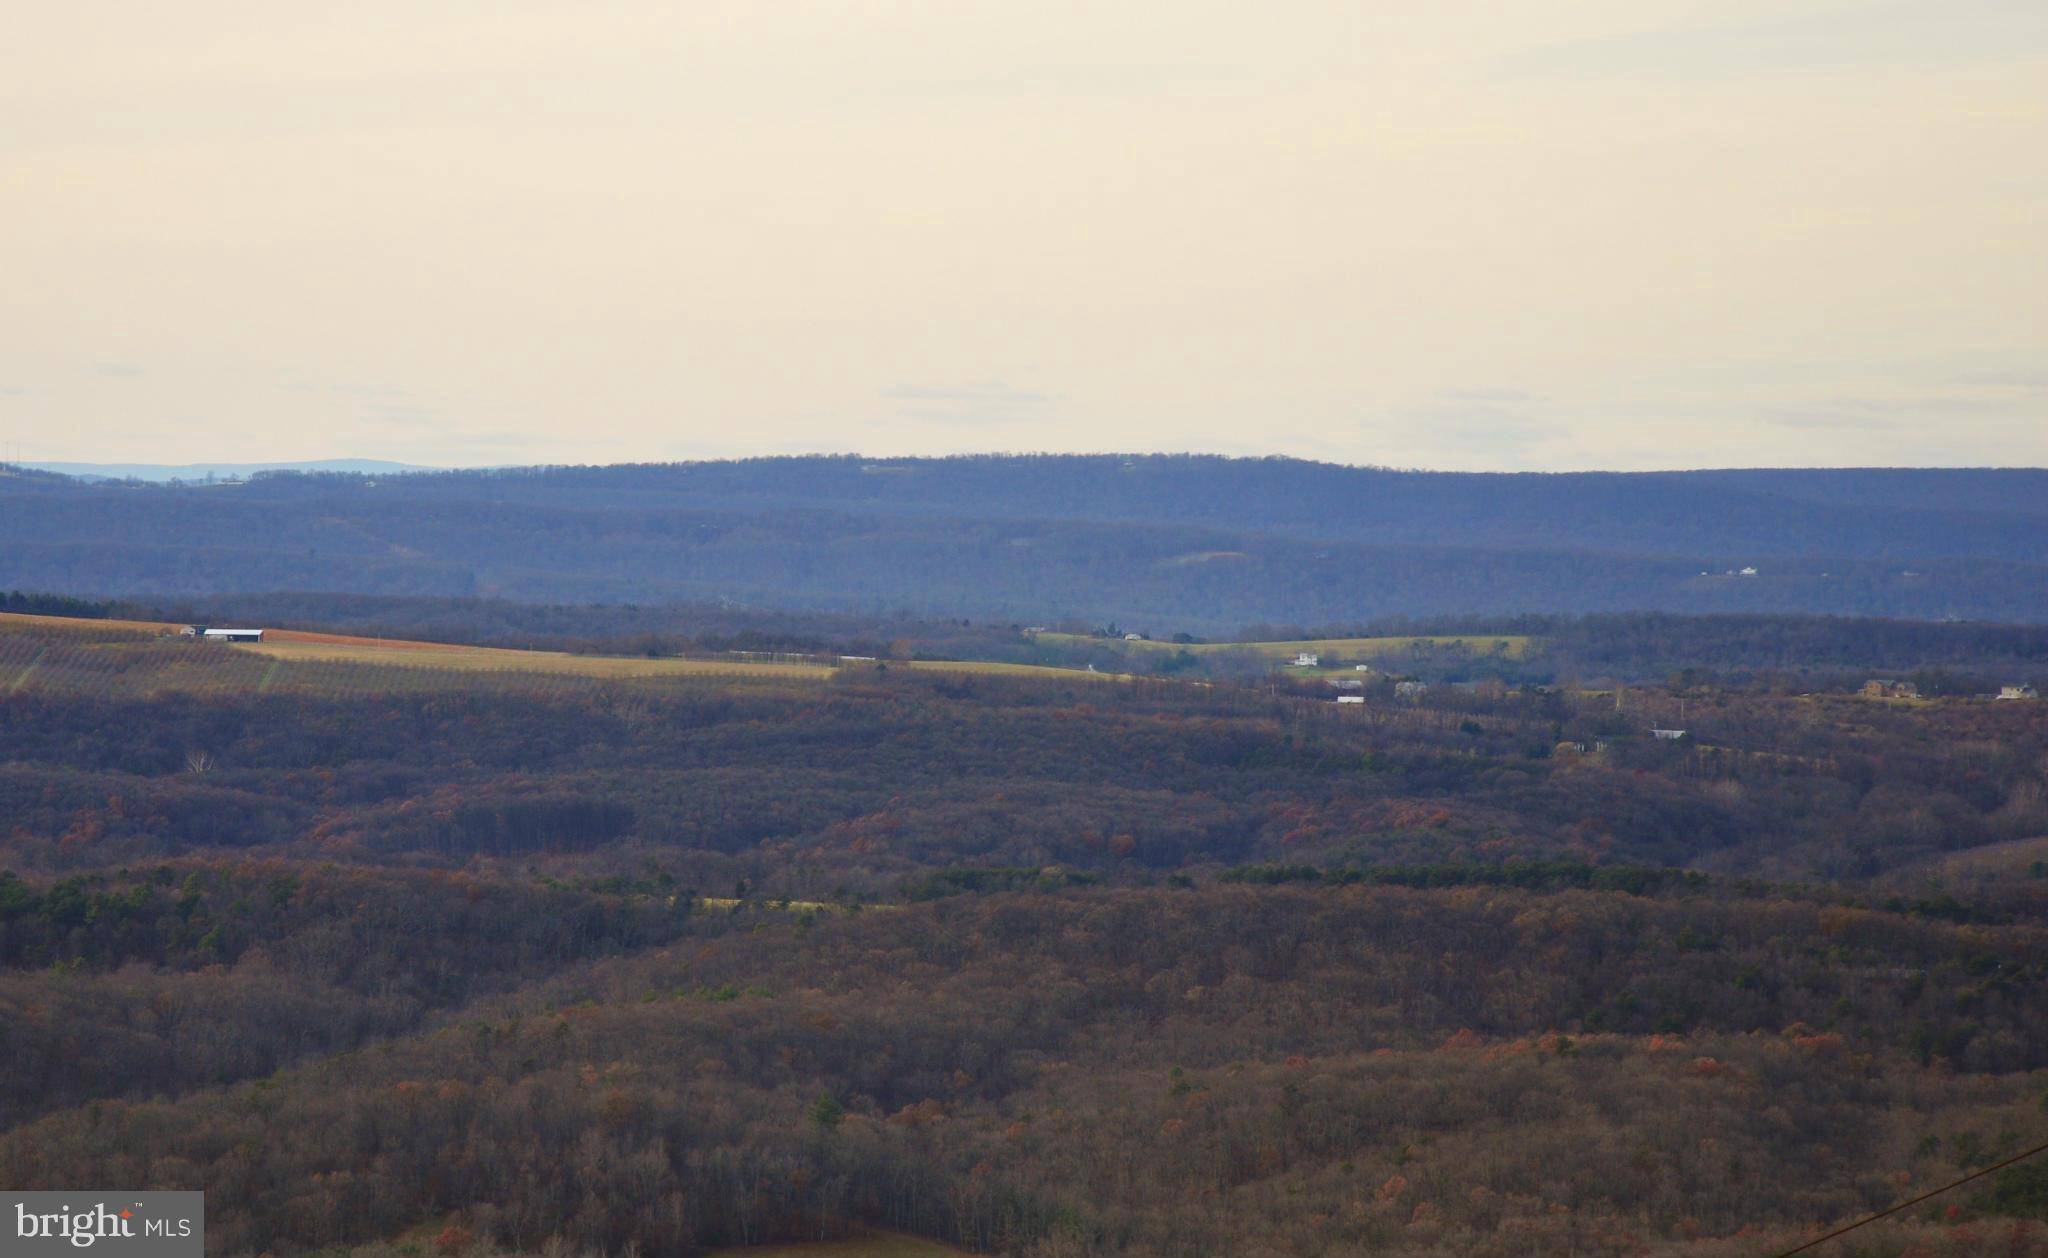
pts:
[141, 469]
[1608, 235]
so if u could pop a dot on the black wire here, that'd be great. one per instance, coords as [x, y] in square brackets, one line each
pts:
[2017, 1157]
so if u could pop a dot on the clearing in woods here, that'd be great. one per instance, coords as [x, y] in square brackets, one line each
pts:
[1512, 645]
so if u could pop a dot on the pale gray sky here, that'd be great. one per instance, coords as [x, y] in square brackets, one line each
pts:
[1466, 233]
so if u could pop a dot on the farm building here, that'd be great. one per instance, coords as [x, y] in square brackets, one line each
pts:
[1351, 698]
[1882, 688]
[1307, 659]
[231, 635]
[2018, 692]
[1347, 683]
[1668, 735]
[1410, 689]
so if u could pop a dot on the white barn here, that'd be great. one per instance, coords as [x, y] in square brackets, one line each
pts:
[232, 635]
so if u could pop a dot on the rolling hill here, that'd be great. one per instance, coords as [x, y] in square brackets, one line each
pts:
[1199, 542]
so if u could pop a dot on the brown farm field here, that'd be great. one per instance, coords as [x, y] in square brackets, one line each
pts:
[75, 624]
[345, 639]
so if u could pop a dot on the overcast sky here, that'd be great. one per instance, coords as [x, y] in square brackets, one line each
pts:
[1457, 234]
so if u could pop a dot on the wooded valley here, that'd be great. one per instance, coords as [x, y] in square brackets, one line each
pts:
[1023, 964]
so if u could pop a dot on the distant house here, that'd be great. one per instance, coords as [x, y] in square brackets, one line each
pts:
[1668, 735]
[1361, 668]
[1347, 683]
[1134, 637]
[1308, 659]
[231, 635]
[2018, 692]
[1351, 698]
[1747, 572]
[1884, 688]
[1410, 689]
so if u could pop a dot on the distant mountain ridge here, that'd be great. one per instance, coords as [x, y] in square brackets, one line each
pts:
[220, 471]
[1193, 540]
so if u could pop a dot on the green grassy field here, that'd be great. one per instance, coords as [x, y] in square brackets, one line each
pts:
[1512, 645]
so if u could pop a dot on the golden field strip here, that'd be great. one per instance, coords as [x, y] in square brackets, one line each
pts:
[293, 646]
[23, 620]
[1514, 646]
[609, 667]
[501, 659]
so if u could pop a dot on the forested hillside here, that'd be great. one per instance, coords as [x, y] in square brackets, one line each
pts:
[457, 962]
[1208, 543]
[1155, 1072]
[124, 748]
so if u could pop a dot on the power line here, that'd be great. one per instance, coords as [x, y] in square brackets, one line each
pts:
[1936, 1192]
